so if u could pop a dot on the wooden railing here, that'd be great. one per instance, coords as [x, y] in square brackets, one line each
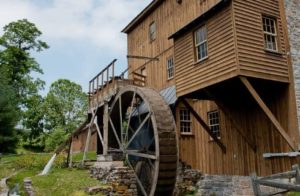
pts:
[272, 181]
[102, 79]
[138, 79]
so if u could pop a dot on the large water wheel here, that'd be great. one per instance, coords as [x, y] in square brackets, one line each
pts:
[142, 129]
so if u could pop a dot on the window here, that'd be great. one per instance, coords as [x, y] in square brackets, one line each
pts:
[152, 31]
[170, 67]
[201, 43]
[270, 34]
[143, 77]
[214, 122]
[185, 121]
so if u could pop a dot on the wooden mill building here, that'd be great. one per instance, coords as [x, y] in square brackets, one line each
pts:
[227, 67]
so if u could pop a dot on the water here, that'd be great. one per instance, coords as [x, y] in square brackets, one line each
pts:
[48, 166]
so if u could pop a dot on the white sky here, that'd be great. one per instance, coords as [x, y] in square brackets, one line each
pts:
[84, 35]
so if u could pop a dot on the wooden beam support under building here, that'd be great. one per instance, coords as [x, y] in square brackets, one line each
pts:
[203, 124]
[268, 112]
[235, 123]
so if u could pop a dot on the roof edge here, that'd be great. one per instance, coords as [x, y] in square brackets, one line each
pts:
[142, 15]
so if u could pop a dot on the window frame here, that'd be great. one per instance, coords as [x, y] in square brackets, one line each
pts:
[196, 45]
[152, 35]
[189, 122]
[170, 69]
[215, 124]
[273, 21]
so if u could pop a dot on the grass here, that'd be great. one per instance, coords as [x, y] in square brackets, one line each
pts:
[90, 156]
[59, 181]
[63, 182]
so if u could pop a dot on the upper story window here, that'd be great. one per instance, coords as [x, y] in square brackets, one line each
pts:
[214, 122]
[152, 31]
[270, 33]
[201, 43]
[170, 68]
[185, 121]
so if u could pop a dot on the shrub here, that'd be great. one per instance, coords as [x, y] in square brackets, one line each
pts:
[57, 137]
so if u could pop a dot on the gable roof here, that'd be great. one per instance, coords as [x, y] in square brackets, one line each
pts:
[142, 15]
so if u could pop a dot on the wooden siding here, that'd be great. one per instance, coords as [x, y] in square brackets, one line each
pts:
[169, 17]
[221, 62]
[79, 142]
[253, 59]
[199, 151]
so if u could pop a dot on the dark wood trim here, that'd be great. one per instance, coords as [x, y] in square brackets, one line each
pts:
[203, 124]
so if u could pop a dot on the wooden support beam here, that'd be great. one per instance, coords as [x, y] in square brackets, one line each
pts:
[203, 124]
[105, 129]
[88, 138]
[227, 113]
[70, 154]
[268, 112]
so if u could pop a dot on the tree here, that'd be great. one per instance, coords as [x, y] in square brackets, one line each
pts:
[66, 106]
[19, 39]
[8, 116]
[18, 87]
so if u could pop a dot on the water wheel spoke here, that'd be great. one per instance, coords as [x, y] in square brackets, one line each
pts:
[139, 128]
[132, 131]
[121, 119]
[151, 164]
[140, 154]
[142, 189]
[134, 121]
[115, 133]
[151, 142]
[130, 115]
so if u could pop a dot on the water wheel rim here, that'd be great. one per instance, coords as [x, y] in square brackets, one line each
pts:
[118, 101]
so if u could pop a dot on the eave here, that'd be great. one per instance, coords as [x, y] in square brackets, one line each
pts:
[211, 12]
[142, 15]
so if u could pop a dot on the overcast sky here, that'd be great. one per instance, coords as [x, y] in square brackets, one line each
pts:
[84, 35]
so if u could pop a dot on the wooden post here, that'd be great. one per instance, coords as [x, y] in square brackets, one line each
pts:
[255, 185]
[71, 153]
[88, 138]
[296, 168]
[105, 129]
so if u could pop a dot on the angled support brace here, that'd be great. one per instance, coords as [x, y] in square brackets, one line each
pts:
[239, 129]
[268, 112]
[204, 125]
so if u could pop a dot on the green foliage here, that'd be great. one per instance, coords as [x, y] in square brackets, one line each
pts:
[59, 181]
[18, 89]
[8, 115]
[55, 138]
[66, 105]
[23, 35]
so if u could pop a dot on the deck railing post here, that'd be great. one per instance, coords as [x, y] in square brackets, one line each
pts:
[256, 188]
[296, 168]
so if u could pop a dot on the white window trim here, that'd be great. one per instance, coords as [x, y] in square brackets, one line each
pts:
[199, 44]
[273, 20]
[210, 125]
[185, 121]
[169, 68]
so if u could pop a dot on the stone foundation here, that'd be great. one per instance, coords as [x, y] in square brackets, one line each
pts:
[121, 179]
[228, 186]
[293, 22]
